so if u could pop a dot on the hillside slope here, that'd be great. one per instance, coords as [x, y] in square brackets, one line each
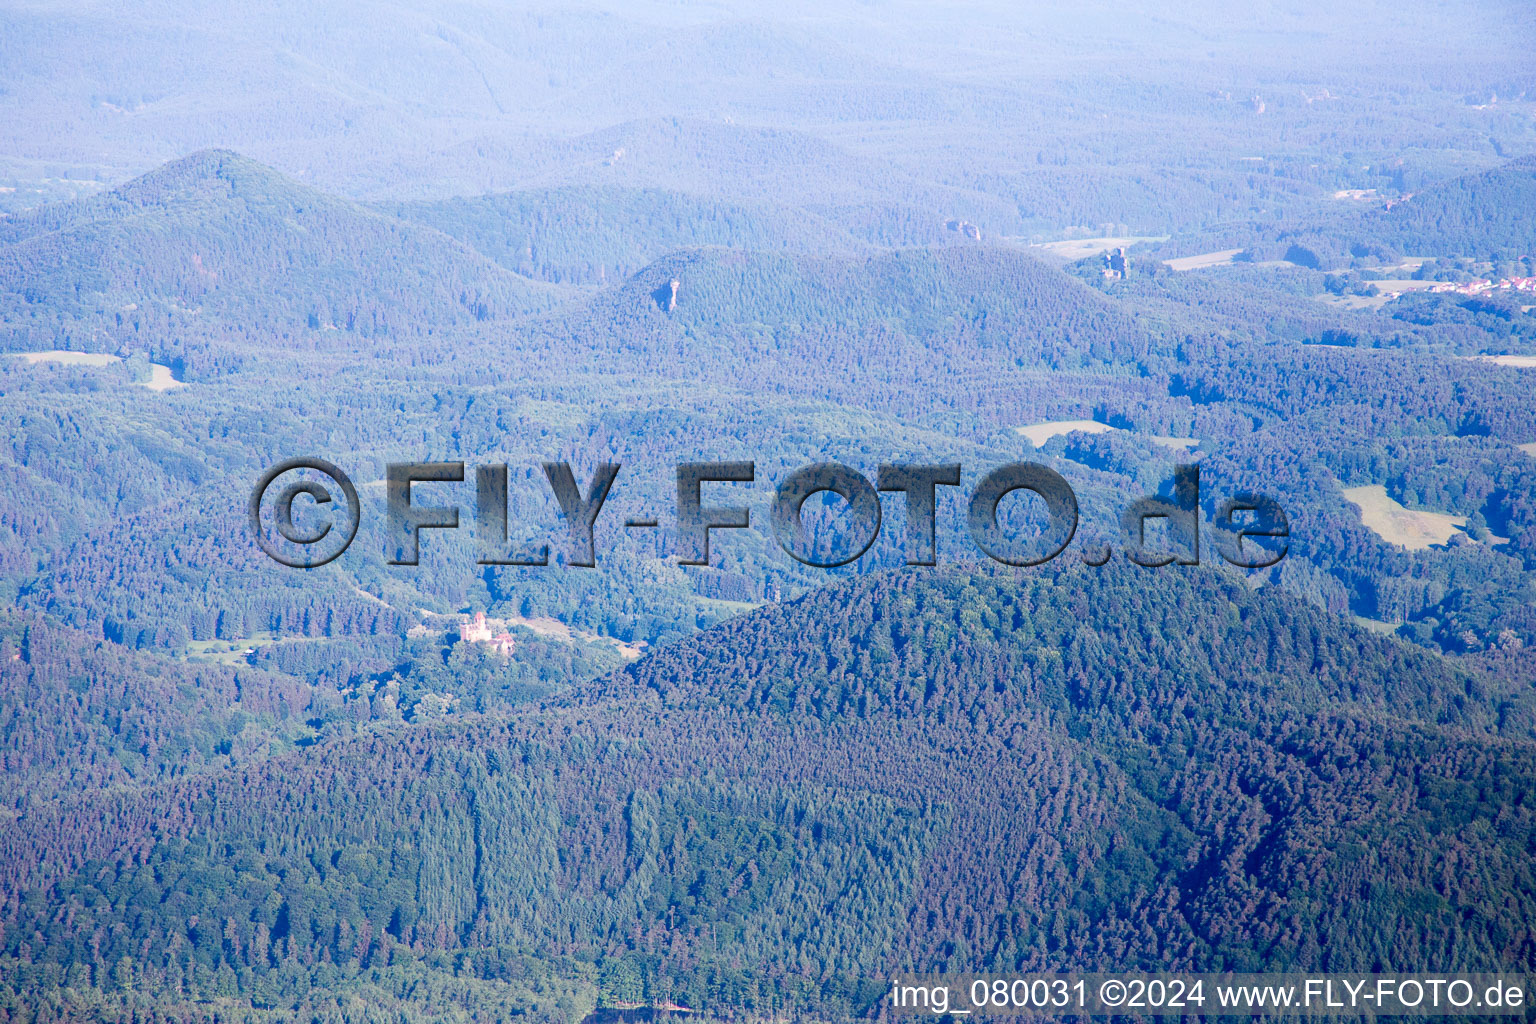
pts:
[595, 235]
[916, 312]
[1492, 213]
[1483, 215]
[1087, 768]
[215, 240]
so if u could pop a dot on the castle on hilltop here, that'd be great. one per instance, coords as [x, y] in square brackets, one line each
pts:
[478, 631]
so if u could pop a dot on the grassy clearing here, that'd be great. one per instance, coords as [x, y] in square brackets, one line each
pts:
[1375, 301]
[70, 358]
[1081, 248]
[160, 377]
[1396, 524]
[1039, 433]
[225, 651]
[1221, 258]
[560, 631]
[1523, 362]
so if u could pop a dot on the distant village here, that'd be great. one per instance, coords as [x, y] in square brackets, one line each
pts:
[1518, 284]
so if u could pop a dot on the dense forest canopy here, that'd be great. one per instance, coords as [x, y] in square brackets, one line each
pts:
[1292, 246]
[992, 770]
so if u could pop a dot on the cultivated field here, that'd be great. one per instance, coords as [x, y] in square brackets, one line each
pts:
[160, 379]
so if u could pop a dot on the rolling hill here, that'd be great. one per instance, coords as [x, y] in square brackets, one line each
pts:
[1492, 213]
[596, 235]
[1482, 215]
[217, 242]
[912, 311]
[1077, 768]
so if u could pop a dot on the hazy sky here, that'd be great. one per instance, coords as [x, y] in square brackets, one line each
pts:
[368, 96]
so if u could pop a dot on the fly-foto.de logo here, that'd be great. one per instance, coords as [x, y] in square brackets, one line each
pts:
[305, 512]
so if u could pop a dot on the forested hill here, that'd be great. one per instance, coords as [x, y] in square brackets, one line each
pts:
[600, 235]
[915, 311]
[1117, 638]
[936, 770]
[1487, 215]
[868, 194]
[215, 241]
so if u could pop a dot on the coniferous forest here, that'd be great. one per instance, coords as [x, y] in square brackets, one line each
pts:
[1293, 247]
